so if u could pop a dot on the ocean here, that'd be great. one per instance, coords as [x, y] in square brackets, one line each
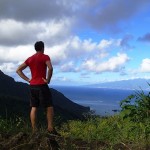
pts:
[103, 101]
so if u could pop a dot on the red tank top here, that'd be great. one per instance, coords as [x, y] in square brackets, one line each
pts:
[38, 67]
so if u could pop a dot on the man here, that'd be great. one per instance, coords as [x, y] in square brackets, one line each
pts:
[40, 78]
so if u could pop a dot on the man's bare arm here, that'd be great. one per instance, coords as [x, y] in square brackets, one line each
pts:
[21, 74]
[49, 73]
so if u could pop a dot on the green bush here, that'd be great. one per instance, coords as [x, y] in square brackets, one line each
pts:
[136, 107]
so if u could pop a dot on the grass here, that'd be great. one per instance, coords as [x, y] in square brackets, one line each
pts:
[107, 132]
[112, 131]
[12, 126]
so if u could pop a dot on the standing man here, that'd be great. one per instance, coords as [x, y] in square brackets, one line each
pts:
[41, 73]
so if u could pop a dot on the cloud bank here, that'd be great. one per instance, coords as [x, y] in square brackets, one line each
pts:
[59, 23]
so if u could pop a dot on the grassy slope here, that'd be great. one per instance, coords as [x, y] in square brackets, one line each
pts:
[95, 133]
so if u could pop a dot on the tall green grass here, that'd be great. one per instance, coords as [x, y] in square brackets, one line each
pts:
[14, 125]
[111, 130]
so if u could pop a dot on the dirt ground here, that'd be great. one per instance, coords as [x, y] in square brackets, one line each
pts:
[46, 141]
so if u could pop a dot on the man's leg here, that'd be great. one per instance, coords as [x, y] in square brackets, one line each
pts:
[33, 115]
[50, 114]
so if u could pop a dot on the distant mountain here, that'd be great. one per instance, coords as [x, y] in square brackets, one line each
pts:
[17, 93]
[135, 84]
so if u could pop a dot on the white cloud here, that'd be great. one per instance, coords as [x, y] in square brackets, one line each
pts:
[89, 65]
[59, 23]
[8, 67]
[76, 50]
[69, 67]
[113, 64]
[70, 55]
[57, 53]
[15, 54]
[18, 33]
[105, 43]
[145, 65]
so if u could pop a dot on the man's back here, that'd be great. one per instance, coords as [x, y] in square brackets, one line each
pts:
[38, 67]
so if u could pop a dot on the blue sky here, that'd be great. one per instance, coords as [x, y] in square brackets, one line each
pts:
[89, 41]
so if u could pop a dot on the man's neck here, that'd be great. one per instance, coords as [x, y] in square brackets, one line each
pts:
[40, 51]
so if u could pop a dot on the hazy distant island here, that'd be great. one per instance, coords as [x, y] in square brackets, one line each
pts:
[132, 84]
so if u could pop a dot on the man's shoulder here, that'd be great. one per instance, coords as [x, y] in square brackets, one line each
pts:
[46, 56]
[31, 57]
[41, 56]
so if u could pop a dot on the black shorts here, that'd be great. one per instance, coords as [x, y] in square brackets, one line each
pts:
[40, 95]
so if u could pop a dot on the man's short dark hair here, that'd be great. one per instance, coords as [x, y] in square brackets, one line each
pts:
[39, 45]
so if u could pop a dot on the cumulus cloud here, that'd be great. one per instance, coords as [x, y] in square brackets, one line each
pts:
[69, 67]
[104, 44]
[57, 23]
[70, 55]
[113, 64]
[15, 54]
[13, 32]
[23, 22]
[8, 67]
[18, 33]
[74, 51]
[144, 67]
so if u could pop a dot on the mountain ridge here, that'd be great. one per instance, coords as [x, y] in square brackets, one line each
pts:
[10, 89]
